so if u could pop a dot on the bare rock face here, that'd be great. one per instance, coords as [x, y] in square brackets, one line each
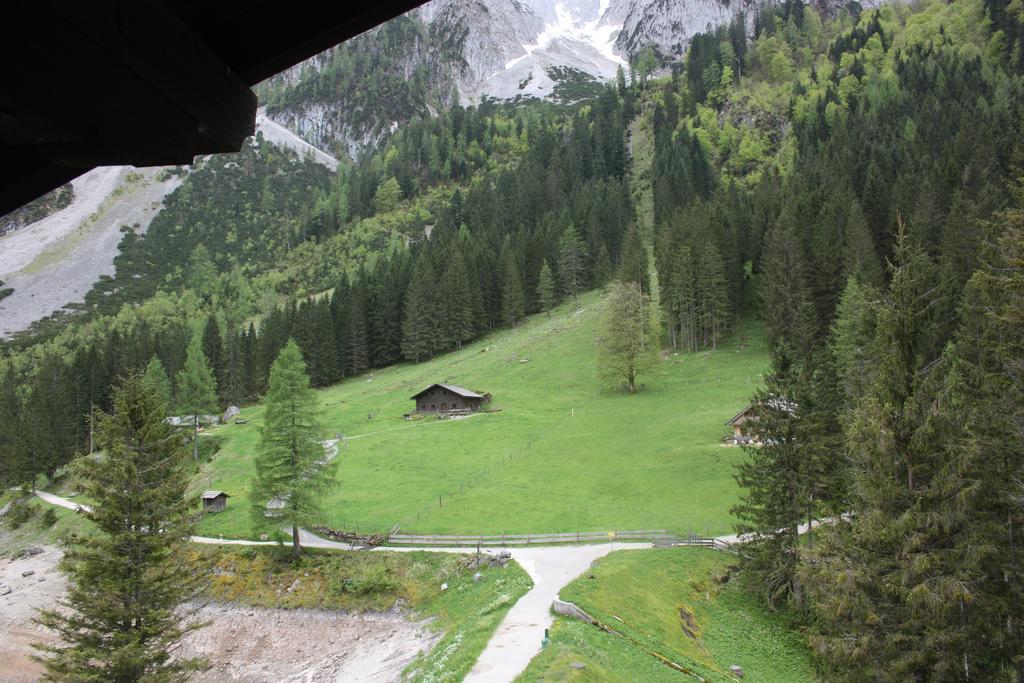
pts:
[668, 25]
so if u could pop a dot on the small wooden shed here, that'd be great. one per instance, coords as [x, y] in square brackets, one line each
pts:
[443, 398]
[214, 501]
[740, 423]
[743, 422]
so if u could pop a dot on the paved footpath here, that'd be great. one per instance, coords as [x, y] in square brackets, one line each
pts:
[518, 637]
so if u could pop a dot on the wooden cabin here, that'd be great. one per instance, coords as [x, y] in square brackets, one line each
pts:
[214, 501]
[743, 422]
[444, 398]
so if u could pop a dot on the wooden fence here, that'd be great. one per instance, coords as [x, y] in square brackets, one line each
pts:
[659, 537]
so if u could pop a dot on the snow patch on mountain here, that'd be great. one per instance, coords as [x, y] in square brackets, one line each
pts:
[572, 39]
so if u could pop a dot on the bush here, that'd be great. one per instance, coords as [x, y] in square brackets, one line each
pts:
[19, 513]
[49, 518]
[373, 580]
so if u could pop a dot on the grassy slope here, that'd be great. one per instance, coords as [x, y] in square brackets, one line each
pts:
[640, 594]
[35, 531]
[562, 455]
[467, 613]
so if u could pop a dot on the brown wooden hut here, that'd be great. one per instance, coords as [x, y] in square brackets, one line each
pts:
[743, 422]
[444, 398]
[214, 501]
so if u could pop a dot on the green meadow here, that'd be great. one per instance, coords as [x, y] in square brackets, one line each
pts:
[560, 453]
[679, 605]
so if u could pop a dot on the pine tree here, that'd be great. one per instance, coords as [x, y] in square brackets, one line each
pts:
[213, 349]
[898, 567]
[13, 449]
[683, 298]
[571, 265]
[292, 468]
[458, 302]
[197, 394]
[633, 261]
[546, 288]
[157, 383]
[122, 616]
[357, 357]
[713, 294]
[51, 420]
[513, 302]
[626, 346]
[420, 335]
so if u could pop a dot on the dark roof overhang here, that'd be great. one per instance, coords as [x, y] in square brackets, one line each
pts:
[146, 82]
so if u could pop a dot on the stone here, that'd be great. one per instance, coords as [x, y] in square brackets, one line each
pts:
[477, 577]
[230, 413]
[5, 589]
[736, 671]
[579, 666]
[444, 586]
[6, 508]
[29, 552]
[29, 572]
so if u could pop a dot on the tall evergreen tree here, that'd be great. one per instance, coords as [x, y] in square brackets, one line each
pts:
[157, 383]
[197, 394]
[213, 349]
[420, 336]
[122, 617]
[633, 261]
[458, 302]
[292, 468]
[571, 261]
[13, 449]
[546, 288]
[513, 302]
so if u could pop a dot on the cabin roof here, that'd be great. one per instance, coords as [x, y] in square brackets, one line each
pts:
[210, 495]
[454, 388]
[780, 404]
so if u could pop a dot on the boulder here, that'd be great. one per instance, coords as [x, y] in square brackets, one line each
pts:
[230, 413]
[29, 572]
[736, 671]
[6, 508]
[5, 589]
[29, 552]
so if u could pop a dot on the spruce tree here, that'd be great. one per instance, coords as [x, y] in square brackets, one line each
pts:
[633, 261]
[13, 449]
[513, 302]
[356, 353]
[713, 294]
[546, 288]
[197, 393]
[626, 345]
[213, 349]
[157, 383]
[292, 469]
[898, 567]
[122, 619]
[571, 262]
[458, 301]
[420, 334]
[683, 298]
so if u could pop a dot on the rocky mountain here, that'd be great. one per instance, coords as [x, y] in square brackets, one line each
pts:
[348, 98]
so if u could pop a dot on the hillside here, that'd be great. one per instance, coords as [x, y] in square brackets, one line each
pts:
[679, 604]
[561, 455]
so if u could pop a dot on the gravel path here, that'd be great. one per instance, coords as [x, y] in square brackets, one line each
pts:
[518, 638]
